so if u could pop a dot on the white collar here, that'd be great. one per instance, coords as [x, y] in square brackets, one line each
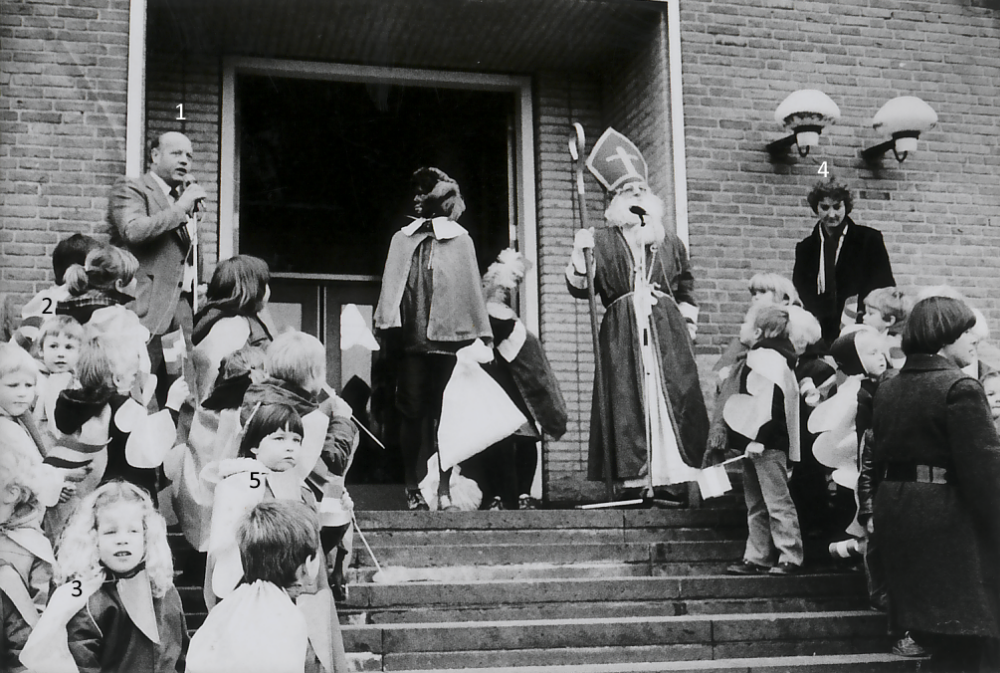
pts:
[443, 228]
[162, 183]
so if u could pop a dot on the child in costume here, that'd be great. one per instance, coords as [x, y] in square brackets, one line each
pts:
[58, 348]
[765, 289]
[108, 430]
[69, 251]
[258, 628]
[522, 370]
[886, 310]
[26, 557]
[230, 318]
[763, 420]
[265, 470]
[18, 378]
[991, 384]
[117, 609]
[296, 375]
[210, 440]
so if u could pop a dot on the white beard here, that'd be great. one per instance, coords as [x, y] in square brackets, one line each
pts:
[647, 230]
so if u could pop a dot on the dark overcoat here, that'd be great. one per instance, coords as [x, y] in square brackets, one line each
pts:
[862, 266]
[940, 543]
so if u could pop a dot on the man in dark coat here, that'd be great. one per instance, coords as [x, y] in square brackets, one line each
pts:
[657, 424]
[838, 260]
[152, 217]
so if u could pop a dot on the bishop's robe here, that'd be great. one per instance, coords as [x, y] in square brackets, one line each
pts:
[678, 419]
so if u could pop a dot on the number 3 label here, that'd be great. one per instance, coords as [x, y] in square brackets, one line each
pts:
[77, 588]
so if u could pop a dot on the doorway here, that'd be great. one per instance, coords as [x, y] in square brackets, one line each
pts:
[322, 167]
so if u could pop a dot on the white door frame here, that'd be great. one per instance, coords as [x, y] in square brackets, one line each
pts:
[524, 173]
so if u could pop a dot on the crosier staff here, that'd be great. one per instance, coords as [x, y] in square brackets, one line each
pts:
[577, 143]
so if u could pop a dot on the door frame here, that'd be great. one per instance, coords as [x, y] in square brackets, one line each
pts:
[523, 172]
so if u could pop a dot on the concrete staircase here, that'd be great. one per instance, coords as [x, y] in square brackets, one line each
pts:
[607, 591]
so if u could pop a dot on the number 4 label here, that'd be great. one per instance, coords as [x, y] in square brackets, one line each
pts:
[823, 170]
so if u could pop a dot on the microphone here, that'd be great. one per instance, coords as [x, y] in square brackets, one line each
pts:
[188, 181]
[641, 212]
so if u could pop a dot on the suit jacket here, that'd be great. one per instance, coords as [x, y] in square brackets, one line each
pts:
[863, 266]
[144, 221]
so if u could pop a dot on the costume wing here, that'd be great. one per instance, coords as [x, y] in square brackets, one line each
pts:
[836, 446]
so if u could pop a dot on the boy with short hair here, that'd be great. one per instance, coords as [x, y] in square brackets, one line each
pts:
[886, 310]
[763, 421]
[258, 627]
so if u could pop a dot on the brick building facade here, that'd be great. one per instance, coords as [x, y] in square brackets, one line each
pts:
[63, 71]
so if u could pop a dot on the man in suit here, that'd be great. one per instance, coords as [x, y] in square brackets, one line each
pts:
[153, 217]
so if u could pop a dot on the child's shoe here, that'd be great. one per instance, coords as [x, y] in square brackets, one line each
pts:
[785, 569]
[445, 504]
[525, 501]
[745, 567]
[496, 505]
[908, 647]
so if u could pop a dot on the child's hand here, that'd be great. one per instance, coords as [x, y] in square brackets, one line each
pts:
[71, 597]
[723, 374]
[341, 409]
[68, 491]
[346, 501]
[755, 449]
[177, 394]
[870, 526]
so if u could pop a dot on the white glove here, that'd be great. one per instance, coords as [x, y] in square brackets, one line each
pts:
[584, 240]
[755, 449]
[178, 392]
[341, 409]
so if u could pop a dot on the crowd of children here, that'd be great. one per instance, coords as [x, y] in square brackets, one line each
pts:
[800, 413]
[94, 462]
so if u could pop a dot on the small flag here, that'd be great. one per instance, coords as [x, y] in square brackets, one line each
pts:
[354, 331]
[714, 481]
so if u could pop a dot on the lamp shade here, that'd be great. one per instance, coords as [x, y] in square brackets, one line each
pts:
[905, 113]
[809, 107]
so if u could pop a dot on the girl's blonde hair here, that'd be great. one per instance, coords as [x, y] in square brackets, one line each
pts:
[13, 359]
[17, 470]
[104, 267]
[77, 556]
[783, 289]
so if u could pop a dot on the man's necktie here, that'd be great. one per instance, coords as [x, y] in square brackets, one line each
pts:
[182, 232]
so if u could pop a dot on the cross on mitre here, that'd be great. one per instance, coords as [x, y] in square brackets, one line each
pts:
[615, 161]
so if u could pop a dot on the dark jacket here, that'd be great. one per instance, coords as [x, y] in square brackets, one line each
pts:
[339, 434]
[13, 636]
[863, 266]
[103, 638]
[940, 543]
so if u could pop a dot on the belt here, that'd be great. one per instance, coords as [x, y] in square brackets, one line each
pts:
[921, 474]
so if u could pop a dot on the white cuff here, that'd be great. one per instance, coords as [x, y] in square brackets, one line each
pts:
[689, 311]
[511, 346]
[577, 280]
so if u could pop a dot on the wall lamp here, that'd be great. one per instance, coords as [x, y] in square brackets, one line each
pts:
[903, 119]
[805, 113]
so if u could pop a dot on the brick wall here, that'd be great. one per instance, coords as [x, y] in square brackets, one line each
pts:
[561, 99]
[62, 128]
[742, 57]
[636, 96]
[194, 82]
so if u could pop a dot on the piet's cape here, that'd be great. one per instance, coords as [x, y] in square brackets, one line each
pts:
[458, 312]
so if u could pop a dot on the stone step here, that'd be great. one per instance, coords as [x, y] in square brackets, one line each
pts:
[534, 536]
[552, 519]
[584, 552]
[479, 573]
[612, 609]
[841, 663]
[600, 589]
[611, 640]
